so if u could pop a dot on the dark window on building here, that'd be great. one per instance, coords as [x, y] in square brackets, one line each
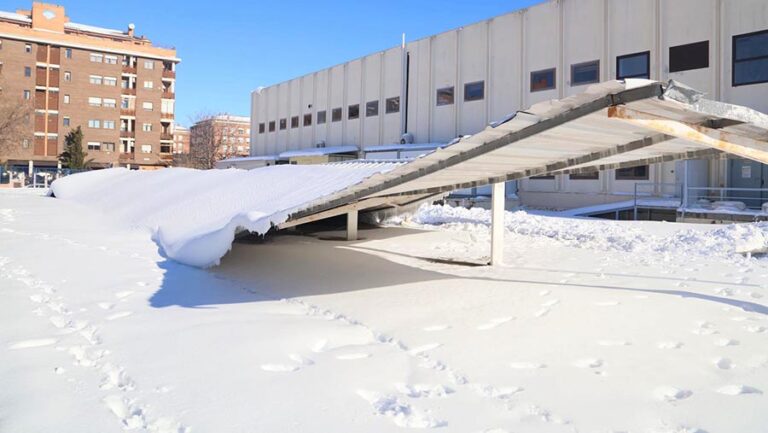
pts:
[474, 91]
[632, 173]
[321, 117]
[445, 96]
[295, 122]
[595, 175]
[27, 48]
[283, 124]
[272, 126]
[637, 65]
[750, 58]
[393, 105]
[307, 120]
[547, 177]
[336, 115]
[27, 71]
[585, 73]
[353, 111]
[261, 128]
[68, 53]
[371, 108]
[543, 80]
[689, 56]
[65, 121]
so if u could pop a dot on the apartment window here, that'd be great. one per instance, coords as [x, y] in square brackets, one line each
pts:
[66, 99]
[283, 124]
[445, 96]
[147, 106]
[585, 73]
[146, 148]
[96, 58]
[689, 56]
[146, 127]
[67, 76]
[109, 147]
[307, 120]
[149, 64]
[94, 102]
[165, 148]
[109, 103]
[125, 104]
[109, 124]
[637, 65]
[149, 84]
[321, 117]
[392, 105]
[474, 91]
[632, 173]
[96, 79]
[593, 175]
[110, 60]
[94, 123]
[545, 177]
[353, 111]
[65, 121]
[371, 108]
[68, 53]
[27, 94]
[27, 71]
[240, 131]
[750, 58]
[295, 122]
[110, 81]
[27, 48]
[262, 128]
[272, 126]
[94, 145]
[336, 115]
[543, 80]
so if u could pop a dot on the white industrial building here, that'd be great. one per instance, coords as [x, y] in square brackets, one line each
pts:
[403, 101]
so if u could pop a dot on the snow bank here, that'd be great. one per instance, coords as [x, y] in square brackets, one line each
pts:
[721, 240]
[193, 215]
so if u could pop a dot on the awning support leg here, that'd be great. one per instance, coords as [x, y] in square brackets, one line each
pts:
[352, 225]
[498, 201]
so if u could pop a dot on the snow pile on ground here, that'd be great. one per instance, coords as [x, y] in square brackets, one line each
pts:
[194, 215]
[621, 236]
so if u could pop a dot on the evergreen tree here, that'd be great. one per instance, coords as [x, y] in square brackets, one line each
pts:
[74, 155]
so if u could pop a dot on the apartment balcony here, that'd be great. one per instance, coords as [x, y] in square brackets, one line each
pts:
[168, 95]
[169, 74]
[164, 136]
[127, 134]
[128, 112]
[126, 157]
[129, 69]
[166, 116]
[126, 91]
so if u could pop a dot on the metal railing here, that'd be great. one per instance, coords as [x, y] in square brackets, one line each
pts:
[652, 194]
[725, 200]
[41, 177]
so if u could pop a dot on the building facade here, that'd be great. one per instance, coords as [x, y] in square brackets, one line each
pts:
[116, 86]
[180, 139]
[231, 134]
[431, 90]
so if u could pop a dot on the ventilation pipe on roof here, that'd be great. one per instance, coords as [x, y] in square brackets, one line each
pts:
[131, 29]
[406, 138]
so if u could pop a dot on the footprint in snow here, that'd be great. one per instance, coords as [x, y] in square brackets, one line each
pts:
[522, 365]
[544, 292]
[494, 323]
[320, 346]
[670, 393]
[723, 342]
[425, 348]
[105, 305]
[757, 329]
[723, 363]
[420, 390]
[734, 390]
[588, 363]
[303, 360]
[550, 303]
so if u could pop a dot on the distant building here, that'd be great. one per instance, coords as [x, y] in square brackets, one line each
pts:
[180, 139]
[232, 134]
[118, 87]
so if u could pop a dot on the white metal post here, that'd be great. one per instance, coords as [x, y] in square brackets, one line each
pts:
[498, 201]
[352, 225]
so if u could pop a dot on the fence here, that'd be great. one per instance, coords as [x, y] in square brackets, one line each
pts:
[41, 176]
[726, 200]
[663, 195]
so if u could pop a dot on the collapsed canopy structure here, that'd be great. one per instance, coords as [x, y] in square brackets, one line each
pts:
[615, 124]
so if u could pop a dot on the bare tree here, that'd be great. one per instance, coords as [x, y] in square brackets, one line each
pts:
[208, 141]
[15, 123]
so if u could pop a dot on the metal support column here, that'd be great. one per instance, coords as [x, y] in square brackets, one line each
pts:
[498, 200]
[352, 225]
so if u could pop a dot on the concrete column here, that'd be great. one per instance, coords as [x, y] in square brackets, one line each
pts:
[498, 200]
[31, 167]
[352, 225]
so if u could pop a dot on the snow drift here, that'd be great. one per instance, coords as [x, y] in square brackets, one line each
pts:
[193, 215]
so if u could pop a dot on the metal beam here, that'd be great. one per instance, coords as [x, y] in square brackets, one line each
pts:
[746, 147]
[360, 205]
[698, 154]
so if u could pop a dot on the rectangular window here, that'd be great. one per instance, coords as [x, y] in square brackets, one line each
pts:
[545, 177]
[272, 126]
[637, 65]
[149, 64]
[283, 124]
[146, 127]
[689, 56]
[371, 108]
[240, 131]
[109, 103]
[65, 121]
[595, 175]
[632, 173]
[27, 48]
[68, 53]
[96, 79]
[307, 120]
[67, 76]
[393, 105]
[336, 115]
[94, 145]
[295, 122]
[146, 148]
[445, 96]
[27, 71]
[262, 128]
[474, 91]
[110, 60]
[147, 106]
[94, 123]
[109, 147]
[94, 101]
[109, 124]
[66, 99]
[149, 84]
[585, 73]
[97, 58]
[110, 81]
[125, 104]
[750, 58]
[27, 95]
[543, 80]
[321, 117]
[353, 111]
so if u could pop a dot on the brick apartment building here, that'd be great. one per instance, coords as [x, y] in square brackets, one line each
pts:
[231, 133]
[180, 140]
[116, 86]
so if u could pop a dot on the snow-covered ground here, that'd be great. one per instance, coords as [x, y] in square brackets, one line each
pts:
[591, 326]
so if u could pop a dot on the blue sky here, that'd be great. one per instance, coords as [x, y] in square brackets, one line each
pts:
[228, 48]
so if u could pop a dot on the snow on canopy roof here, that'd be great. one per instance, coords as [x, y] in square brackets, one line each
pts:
[316, 151]
[94, 29]
[396, 147]
[14, 16]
